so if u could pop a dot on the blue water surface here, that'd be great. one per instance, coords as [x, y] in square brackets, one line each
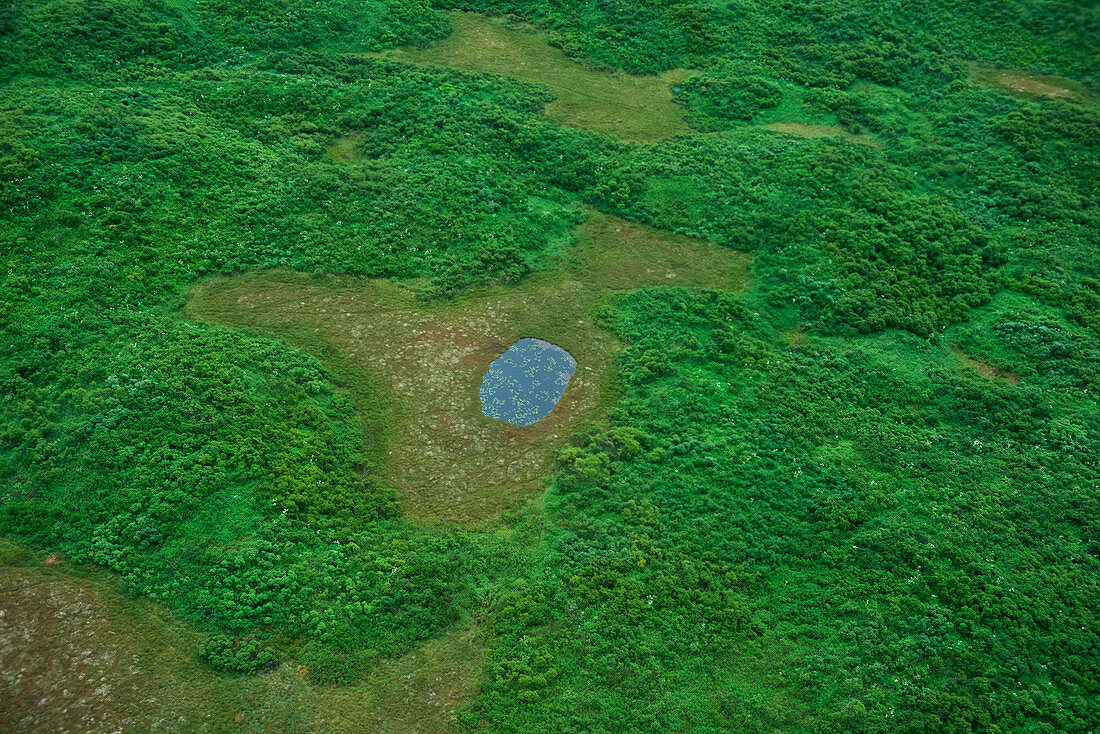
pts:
[523, 385]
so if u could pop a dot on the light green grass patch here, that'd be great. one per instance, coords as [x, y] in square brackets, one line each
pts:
[343, 148]
[416, 369]
[420, 692]
[822, 131]
[638, 108]
[226, 520]
[1027, 84]
[793, 116]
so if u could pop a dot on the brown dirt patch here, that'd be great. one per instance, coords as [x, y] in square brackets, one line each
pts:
[79, 656]
[64, 664]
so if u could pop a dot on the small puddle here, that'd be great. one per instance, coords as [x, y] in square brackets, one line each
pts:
[523, 385]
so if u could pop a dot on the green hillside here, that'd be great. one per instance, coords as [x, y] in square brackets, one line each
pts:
[830, 461]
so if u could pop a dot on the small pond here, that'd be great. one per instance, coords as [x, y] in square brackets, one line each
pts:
[523, 385]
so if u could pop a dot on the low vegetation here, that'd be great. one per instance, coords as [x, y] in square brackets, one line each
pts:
[1027, 84]
[820, 131]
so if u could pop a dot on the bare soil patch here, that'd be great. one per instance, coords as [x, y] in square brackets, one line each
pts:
[986, 369]
[78, 655]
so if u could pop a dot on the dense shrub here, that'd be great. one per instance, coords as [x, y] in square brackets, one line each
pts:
[715, 102]
[237, 655]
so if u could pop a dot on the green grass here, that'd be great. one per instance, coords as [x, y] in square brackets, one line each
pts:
[1029, 85]
[801, 130]
[638, 108]
[795, 116]
[421, 692]
[855, 528]
[415, 369]
[343, 148]
[632, 107]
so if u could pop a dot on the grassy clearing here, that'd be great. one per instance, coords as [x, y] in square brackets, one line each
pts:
[421, 692]
[80, 655]
[822, 131]
[1027, 84]
[795, 116]
[415, 369]
[343, 148]
[985, 368]
[632, 107]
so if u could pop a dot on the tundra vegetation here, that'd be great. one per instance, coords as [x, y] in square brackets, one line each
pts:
[841, 473]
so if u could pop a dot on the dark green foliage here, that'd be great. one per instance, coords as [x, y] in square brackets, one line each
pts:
[839, 233]
[818, 42]
[237, 655]
[268, 24]
[97, 31]
[902, 263]
[1084, 304]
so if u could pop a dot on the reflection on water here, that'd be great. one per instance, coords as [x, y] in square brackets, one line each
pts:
[523, 385]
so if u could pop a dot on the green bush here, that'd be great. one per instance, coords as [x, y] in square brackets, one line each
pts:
[238, 654]
[717, 102]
